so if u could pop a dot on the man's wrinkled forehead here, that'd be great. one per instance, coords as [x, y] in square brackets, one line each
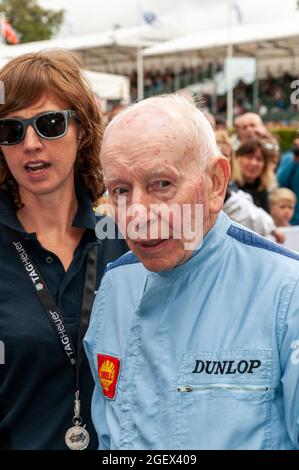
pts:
[149, 123]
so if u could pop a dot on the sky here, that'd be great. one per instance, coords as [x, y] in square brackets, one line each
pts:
[183, 16]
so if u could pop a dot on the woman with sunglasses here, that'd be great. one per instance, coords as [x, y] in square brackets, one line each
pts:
[51, 261]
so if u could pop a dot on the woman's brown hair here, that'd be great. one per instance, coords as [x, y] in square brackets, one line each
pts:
[267, 178]
[57, 73]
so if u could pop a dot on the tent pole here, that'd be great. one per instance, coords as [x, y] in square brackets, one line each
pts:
[140, 85]
[214, 96]
[229, 56]
[229, 84]
[139, 65]
[256, 85]
[177, 81]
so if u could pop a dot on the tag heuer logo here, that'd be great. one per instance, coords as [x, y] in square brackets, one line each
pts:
[39, 286]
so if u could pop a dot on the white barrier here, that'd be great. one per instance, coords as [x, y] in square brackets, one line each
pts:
[292, 237]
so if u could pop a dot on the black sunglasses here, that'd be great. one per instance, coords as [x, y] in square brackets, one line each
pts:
[51, 125]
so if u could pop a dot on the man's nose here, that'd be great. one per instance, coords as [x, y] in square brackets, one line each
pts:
[140, 196]
[140, 206]
[31, 141]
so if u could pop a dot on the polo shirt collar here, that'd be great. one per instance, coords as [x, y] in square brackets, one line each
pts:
[8, 214]
[85, 216]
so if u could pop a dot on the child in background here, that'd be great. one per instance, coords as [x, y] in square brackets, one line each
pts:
[282, 203]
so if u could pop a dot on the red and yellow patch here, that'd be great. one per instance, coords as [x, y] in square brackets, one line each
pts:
[108, 371]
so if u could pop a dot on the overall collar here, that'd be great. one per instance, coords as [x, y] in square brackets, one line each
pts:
[211, 243]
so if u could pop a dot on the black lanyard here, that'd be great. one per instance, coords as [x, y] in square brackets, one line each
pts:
[51, 309]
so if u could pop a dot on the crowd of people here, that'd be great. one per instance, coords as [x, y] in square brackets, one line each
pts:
[273, 92]
[269, 179]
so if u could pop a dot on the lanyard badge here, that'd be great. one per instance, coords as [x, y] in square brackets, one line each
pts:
[77, 437]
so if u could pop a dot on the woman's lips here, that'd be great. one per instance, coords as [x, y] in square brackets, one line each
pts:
[37, 170]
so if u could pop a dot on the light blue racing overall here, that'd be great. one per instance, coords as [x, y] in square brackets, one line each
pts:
[205, 356]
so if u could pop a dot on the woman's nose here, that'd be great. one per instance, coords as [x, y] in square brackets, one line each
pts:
[31, 141]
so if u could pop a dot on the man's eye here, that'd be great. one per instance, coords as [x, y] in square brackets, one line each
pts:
[119, 191]
[162, 184]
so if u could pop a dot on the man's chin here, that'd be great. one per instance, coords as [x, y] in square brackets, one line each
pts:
[157, 265]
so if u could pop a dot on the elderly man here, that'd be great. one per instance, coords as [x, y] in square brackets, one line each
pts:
[250, 126]
[190, 348]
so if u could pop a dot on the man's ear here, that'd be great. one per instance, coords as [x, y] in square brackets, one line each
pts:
[219, 173]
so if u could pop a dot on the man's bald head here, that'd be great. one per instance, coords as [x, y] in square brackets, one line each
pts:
[168, 115]
[249, 116]
[250, 126]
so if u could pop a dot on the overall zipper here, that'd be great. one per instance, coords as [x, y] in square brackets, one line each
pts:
[238, 388]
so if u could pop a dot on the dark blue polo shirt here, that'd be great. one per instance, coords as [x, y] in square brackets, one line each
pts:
[37, 380]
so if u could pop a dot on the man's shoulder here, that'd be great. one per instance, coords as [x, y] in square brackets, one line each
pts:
[128, 260]
[264, 249]
[124, 278]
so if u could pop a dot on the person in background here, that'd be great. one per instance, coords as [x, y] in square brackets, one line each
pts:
[288, 175]
[282, 202]
[250, 126]
[224, 143]
[220, 124]
[235, 136]
[272, 150]
[51, 260]
[256, 176]
[211, 119]
[238, 204]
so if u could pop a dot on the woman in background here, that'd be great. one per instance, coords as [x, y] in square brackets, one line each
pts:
[239, 205]
[256, 175]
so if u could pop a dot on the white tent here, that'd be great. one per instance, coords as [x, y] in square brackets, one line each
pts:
[108, 86]
[275, 45]
[113, 51]
[117, 51]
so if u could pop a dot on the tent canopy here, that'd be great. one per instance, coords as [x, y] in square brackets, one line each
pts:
[269, 43]
[109, 86]
[112, 51]
[270, 38]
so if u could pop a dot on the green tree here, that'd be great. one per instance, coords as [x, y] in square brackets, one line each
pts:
[31, 21]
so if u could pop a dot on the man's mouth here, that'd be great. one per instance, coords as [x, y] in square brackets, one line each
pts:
[36, 167]
[151, 244]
